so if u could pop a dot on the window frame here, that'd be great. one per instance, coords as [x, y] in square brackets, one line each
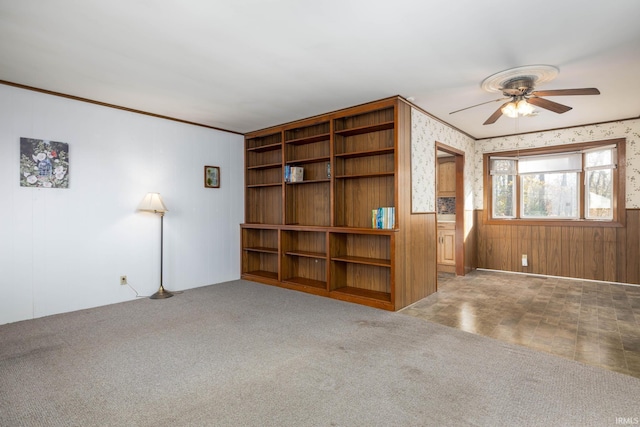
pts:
[619, 177]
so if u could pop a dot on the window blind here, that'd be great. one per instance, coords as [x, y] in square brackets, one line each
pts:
[601, 158]
[558, 163]
[502, 166]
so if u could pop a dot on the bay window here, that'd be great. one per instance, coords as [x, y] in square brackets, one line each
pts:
[580, 182]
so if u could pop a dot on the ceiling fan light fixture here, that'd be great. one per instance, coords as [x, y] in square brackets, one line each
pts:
[524, 108]
[518, 87]
[517, 108]
[510, 110]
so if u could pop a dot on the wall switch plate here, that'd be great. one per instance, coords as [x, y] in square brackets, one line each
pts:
[524, 260]
[123, 280]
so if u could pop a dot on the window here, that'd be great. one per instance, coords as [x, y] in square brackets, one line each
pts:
[548, 184]
[599, 166]
[503, 174]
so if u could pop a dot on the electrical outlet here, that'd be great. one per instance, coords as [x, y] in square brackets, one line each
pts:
[123, 280]
[524, 260]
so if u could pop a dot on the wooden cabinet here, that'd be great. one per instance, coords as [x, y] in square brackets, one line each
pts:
[446, 244]
[446, 180]
[316, 235]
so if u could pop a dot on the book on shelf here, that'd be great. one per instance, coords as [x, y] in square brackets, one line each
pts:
[297, 174]
[293, 173]
[383, 218]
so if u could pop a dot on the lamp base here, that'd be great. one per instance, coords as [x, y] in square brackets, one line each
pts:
[161, 294]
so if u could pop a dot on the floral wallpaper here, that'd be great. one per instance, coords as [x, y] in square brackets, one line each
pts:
[629, 129]
[425, 131]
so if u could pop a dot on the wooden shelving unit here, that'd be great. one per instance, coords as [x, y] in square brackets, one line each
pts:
[316, 235]
[304, 262]
[307, 202]
[260, 253]
[361, 266]
[263, 179]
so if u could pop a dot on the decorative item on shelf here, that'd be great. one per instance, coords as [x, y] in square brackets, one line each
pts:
[328, 170]
[297, 174]
[152, 202]
[383, 218]
[212, 177]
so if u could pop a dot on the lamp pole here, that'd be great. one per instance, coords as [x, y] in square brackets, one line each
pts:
[152, 202]
[162, 293]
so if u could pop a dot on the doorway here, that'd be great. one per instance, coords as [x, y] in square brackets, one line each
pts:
[450, 221]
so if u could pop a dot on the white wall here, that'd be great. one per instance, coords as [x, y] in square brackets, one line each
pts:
[65, 249]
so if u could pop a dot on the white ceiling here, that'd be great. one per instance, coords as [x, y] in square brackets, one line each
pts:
[243, 65]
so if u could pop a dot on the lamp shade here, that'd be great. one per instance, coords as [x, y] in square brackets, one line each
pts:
[524, 108]
[510, 110]
[518, 107]
[152, 202]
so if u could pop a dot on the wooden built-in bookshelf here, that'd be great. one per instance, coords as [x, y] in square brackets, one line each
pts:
[316, 235]
[260, 252]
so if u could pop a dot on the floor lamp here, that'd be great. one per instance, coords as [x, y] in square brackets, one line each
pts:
[152, 202]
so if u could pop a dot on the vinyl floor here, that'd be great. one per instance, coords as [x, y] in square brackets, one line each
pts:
[594, 323]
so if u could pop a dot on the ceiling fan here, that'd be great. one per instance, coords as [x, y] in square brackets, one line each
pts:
[518, 87]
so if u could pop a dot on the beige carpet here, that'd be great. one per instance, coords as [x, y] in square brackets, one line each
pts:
[245, 354]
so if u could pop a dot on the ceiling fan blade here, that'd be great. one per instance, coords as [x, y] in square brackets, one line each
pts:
[495, 116]
[477, 105]
[549, 105]
[567, 92]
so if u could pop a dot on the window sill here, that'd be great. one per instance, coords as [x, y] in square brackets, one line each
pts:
[556, 222]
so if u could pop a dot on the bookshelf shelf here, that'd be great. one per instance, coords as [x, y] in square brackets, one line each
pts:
[307, 254]
[265, 166]
[366, 153]
[309, 160]
[309, 181]
[273, 184]
[262, 249]
[363, 260]
[264, 274]
[364, 293]
[365, 175]
[263, 148]
[306, 282]
[310, 139]
[359, 130]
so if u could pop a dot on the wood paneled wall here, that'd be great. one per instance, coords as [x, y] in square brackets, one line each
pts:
[597, 253]
[470, 242]
[415, 248]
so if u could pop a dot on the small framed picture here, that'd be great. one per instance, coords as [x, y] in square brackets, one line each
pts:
[212, 177]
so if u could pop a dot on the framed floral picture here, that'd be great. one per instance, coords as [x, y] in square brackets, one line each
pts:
[44, 164]
[212, 177]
